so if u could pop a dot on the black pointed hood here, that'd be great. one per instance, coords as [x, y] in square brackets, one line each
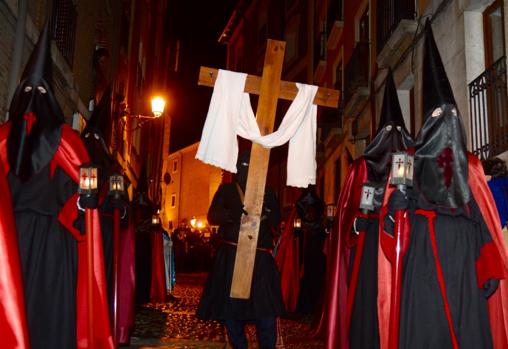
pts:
[310, 208]
[436, 87]
[38, 66]
[391, 135]
[242, 169]
[441, 166]
[93, 135]
[34, 113]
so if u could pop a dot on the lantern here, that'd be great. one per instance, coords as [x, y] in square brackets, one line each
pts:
[402, 169]
[116, 185]
[367, 197]
[88, 182]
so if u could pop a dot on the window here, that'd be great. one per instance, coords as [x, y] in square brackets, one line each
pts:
[175, 165]
[493, 23]
[173, 200]
[63, 27]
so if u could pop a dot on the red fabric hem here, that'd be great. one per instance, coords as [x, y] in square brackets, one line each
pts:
[430, 215]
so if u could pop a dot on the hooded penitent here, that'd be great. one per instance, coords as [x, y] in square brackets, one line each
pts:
[242, 167]
[441, 169]
[93, 135]
[35, 114]
[391, 135]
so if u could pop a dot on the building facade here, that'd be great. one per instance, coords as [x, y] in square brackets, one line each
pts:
[349, 46]
[190, 189]
[97, 44]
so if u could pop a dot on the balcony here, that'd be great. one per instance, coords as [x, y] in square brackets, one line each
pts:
[356, 80]
[489, 111]
[396, 28]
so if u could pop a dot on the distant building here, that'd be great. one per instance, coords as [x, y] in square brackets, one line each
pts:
[192, 185]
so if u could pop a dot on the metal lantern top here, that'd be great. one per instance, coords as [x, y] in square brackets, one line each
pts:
[88, 180]
[402, 169]
[367, 197]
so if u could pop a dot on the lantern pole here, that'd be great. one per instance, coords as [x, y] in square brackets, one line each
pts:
[402, 176]
[88, 200]
[116, 192]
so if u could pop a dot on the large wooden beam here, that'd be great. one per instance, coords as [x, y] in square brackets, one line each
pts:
[324, 97]
[258, 168]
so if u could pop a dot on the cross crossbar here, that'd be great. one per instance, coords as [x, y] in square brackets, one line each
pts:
[325, 97]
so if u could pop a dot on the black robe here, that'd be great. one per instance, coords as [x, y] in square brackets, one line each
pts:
[266, 299]
[460, 235]
[48, 257]
[363, 330]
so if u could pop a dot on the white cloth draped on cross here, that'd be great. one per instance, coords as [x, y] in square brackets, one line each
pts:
[230, 115]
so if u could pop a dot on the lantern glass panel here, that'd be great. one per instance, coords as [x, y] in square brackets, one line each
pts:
[367, 197]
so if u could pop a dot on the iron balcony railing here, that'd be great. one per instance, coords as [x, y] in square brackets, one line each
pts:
[389, 15]
[63, 25]
[356, 74]
[489, 106]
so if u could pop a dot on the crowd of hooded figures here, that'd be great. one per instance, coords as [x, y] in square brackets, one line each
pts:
[426, 267]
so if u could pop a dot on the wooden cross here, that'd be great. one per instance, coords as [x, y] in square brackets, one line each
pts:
[270, 88]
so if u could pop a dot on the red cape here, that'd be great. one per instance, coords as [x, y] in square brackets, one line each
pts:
[126, 283]
[492, 262]
[287, 260]
[70, 155]
[332, 325]
[158, 283]
[13, 327]
[498, 302]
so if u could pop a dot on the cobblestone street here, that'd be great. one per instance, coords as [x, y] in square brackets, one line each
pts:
[174, 325]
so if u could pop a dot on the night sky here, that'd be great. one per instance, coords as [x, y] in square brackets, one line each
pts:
[198, 26]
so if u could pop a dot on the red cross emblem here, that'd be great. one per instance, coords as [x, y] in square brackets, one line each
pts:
[30, 119]
[399, 162]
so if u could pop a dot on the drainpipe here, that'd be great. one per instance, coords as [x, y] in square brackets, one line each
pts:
[17, 53]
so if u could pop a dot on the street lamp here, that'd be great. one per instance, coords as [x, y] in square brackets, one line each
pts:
[193, 222]
[158, 104]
